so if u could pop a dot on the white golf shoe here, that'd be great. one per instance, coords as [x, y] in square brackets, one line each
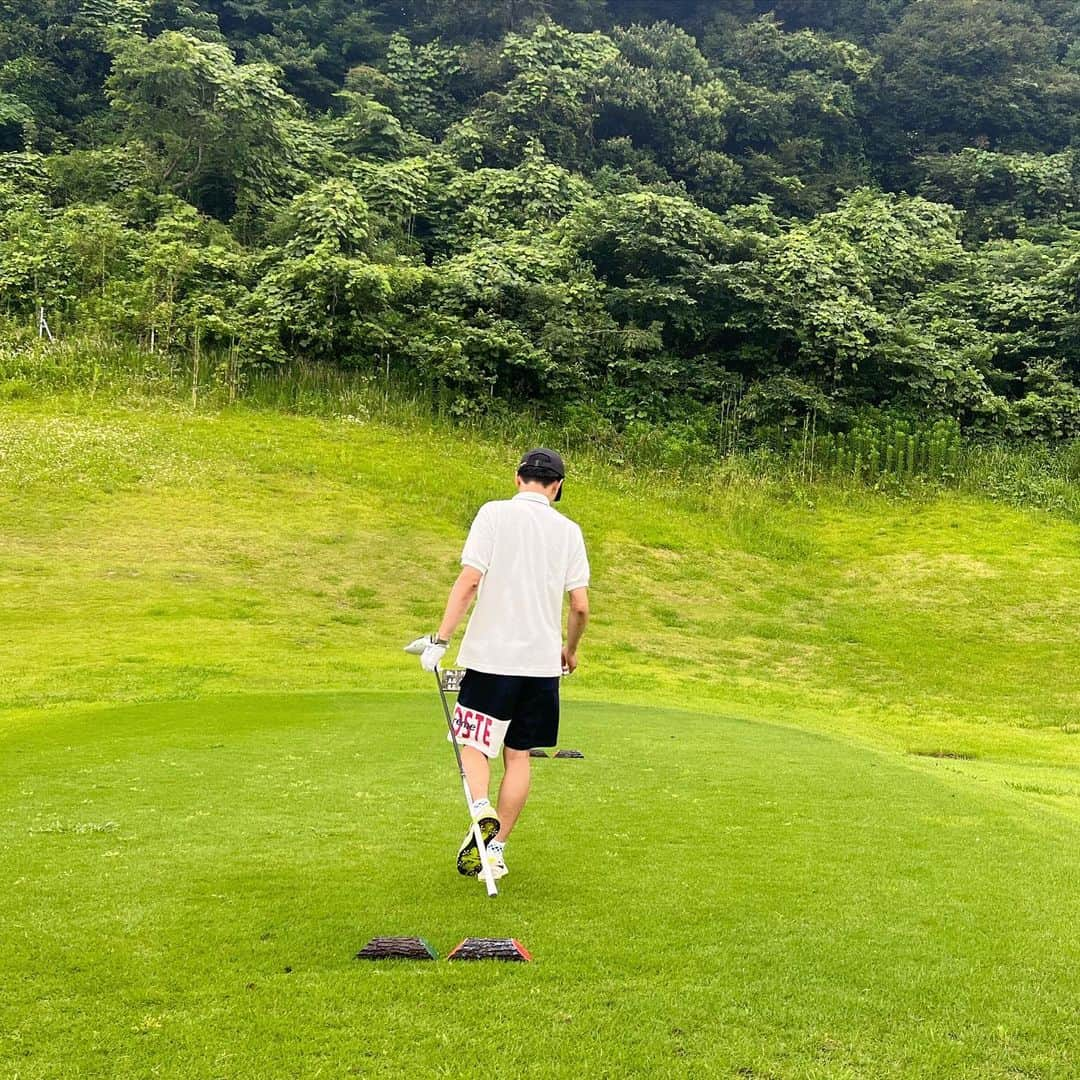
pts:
[498, 867]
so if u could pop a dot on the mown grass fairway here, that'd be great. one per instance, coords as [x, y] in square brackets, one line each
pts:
[828, 823]
[187, 883]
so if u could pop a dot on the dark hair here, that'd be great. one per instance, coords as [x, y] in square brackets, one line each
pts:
[540, 476]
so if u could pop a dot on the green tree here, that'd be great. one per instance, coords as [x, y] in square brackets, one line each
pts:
[549, 95]
[665, 267]
[17, 126]
[189, 283]
[971, 73]
[492, 19]
[319, 294]
[1000, 193]
[223, 135]
[794, 123]
[660, 95]
[516, 319]
[831, 300]
[312, 44]
[61, 260]
[423, 78]
[496, 203]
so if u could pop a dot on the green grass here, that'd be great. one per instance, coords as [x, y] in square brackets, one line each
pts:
[186, 885]
[160, 554]
[860, 713]
[101, 371]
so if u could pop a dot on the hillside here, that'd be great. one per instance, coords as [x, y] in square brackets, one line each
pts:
[826, 823]
[154, 553]
[782, 213]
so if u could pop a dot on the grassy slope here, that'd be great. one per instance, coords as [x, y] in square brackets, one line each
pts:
[837, 908]
[157, 555]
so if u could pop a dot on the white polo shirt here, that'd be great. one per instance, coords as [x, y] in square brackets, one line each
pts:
[530, 555]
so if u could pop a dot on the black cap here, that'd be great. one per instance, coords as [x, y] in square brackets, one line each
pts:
[546, 462]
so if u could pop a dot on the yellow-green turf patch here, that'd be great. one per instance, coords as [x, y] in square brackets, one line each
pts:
[158, 554]
[854, 853]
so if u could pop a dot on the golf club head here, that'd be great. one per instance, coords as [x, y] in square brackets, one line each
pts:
[417, 647]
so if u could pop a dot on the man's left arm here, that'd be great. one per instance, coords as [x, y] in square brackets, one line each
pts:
[577, 585]
[576, 622]
[475, 559]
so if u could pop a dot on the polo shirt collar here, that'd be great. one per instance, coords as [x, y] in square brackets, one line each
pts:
[532, 496]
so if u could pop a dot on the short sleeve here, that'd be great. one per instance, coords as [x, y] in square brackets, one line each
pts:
[577, 566]
[480, 543]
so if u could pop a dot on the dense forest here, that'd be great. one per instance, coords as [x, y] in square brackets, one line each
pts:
[810, 208]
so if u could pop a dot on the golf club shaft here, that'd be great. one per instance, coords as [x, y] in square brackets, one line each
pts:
[485, 866]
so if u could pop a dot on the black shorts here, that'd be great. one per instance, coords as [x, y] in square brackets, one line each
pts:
[529, 702]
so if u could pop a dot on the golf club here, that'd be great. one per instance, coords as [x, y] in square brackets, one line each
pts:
[485, 868]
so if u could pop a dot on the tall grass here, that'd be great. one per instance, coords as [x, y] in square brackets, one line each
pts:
[85, 367]
[878, 453]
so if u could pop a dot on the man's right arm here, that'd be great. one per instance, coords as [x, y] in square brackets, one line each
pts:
[475, 560]
[461, 596]
[576, 622]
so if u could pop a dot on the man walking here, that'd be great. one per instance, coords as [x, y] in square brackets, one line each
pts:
[519, 560]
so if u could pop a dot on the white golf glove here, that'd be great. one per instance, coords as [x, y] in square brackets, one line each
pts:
[430, 650]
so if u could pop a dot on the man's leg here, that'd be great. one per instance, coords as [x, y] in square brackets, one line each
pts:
[477, 772]
[513, 791]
